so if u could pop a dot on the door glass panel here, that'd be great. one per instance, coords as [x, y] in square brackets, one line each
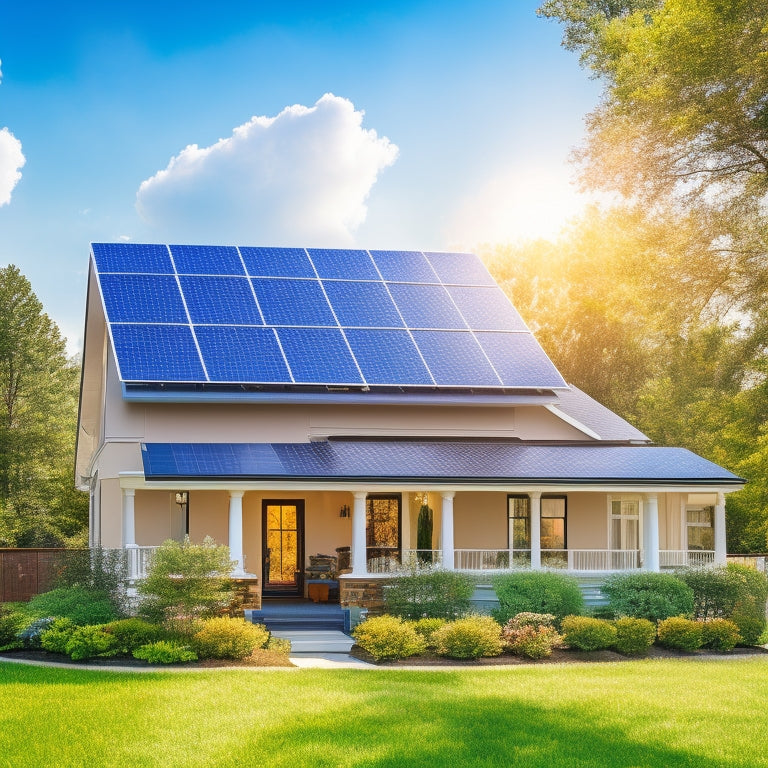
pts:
[282, 543]
[289, 517]
[273, 517]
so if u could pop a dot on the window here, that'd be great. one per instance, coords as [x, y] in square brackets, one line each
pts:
[519, 522]
[382, 525]
[625, 524]
[553, 522]
[700, 527]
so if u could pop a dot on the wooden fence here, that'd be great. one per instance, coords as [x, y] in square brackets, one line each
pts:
[25, 573]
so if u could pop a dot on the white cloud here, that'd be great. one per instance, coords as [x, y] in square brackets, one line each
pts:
[300, 177]
[11, 161]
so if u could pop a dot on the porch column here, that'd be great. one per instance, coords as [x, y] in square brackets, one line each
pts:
[129, 532]
[720, 544]
[446, 531]
[359, 555]
[236, 531]
[651, 532]
[535, 530]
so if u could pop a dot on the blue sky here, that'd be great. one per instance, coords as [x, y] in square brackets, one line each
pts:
[383, 125]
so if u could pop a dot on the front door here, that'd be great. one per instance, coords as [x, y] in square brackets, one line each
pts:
[282, 524]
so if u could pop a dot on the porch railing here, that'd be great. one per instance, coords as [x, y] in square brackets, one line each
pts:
[138, 561]
[673, 558]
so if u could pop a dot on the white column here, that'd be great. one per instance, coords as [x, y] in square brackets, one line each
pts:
[129, 519]
[535, 529]
[720, 544]
[359, 557]
[446, 531]
[651, 532]
[405, 525]
[236, 532]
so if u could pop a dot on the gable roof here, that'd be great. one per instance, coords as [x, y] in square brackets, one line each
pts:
[276, 319]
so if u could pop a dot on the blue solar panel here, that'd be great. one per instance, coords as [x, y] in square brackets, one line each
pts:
[142, 299]
[362, 304]
[519, 360]
[277, 262]
[207, 260]
[132, 257]
[343, 265]
[426, 306]
[226, 300]
[157, 353]
[455, 359]
[400, 366]
[486, 309]
[460, 269]
[293, 302]
[241, 354]
[318, 356]
[404, 267]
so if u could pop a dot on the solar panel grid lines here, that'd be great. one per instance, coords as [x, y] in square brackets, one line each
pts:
[328, 317]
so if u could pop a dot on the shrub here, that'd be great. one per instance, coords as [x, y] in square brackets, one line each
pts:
[537, 592]
[226, 638]
[187, 580]
[750, 622]
[281, 645]
[719, 634]
[29, 637]
[80, 604]
[97, 570]
[86, 642]
[133, 633]
[426, 627]
[55, 638]
[11, 623]
[588, 634]
[680, 633]
[469, 638]
[634, 636]
[388, 637]
[431, 594]
[532, 635]
[164, 652]
[652, 596]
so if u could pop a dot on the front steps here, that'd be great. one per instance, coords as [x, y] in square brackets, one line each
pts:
[316, 641]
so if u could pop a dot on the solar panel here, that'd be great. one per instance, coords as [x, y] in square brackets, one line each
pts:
[156, 353]
[242, 354]
[290, 316]
[207, 260]
[227, 300]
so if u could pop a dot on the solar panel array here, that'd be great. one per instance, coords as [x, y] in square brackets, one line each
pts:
[295, 316]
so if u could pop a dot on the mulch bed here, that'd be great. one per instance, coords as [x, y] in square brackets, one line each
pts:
[559, 656]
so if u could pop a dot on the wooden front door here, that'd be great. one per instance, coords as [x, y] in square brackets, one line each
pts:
[282, 522]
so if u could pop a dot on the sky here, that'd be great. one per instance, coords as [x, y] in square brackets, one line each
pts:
[407, 125]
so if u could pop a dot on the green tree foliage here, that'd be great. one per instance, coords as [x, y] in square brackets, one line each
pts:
[38, 413]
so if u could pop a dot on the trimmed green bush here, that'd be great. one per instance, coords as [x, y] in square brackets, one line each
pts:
[532, 635]
[133, 633]
[469, 638]
[97, 570]
[29, 637]
[226, 638]
[12, 622]
[537, 592]
[55, 638]
[719, 634]
[588, 634]
[281, 645]
[680, 633]
[634, 636]
[750, 621]
[646, 595]
[429, 594]
[388, 637]
[164, 652]
[80, 604]
[186, 580]
[426, 627]
[87, 642]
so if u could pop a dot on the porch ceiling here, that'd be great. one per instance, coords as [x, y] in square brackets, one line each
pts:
[489, 462]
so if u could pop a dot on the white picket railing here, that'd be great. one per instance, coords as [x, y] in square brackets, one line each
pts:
[697, 558]
[139, 560]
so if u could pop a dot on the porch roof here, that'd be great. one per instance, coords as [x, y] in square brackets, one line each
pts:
[469, 462]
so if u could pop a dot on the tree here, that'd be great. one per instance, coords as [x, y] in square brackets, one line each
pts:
[38, 413]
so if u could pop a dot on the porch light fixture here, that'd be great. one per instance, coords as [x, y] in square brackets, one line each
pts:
[344, 511]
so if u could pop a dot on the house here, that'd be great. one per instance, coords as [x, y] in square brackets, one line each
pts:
[291, 402]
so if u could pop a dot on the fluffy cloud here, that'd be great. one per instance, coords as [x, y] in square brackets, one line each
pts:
[301, 177]
[11, 161]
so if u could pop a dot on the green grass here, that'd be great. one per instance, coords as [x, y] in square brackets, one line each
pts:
[641, 714]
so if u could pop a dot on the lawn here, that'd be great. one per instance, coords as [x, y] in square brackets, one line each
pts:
[647, 713]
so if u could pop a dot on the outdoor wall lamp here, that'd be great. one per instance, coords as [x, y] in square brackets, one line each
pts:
[344, 511]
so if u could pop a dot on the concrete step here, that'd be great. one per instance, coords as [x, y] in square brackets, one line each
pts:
[324, 641]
